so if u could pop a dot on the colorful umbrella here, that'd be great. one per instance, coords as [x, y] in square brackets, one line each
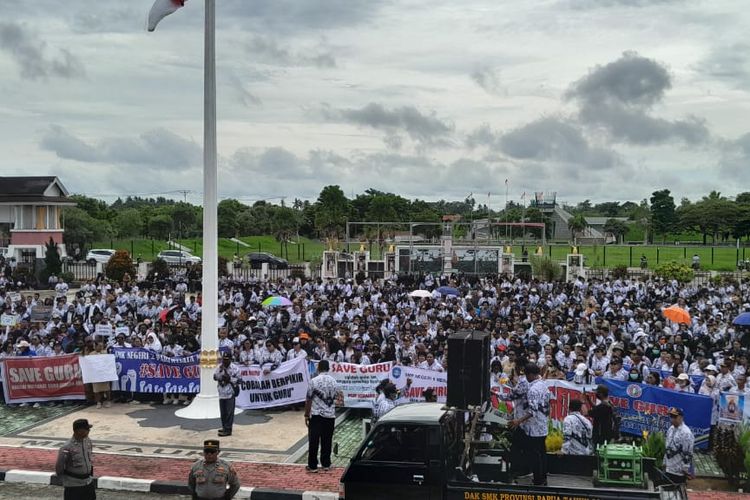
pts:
[276, 301]
[447, 290]
[420, 293]
[742, 320]
[676, 314]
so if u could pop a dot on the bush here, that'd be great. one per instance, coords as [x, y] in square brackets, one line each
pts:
[545, 268]
[223, 263]
[159, 269]
[674, 271]
[654, 446]
[620, 272]
[119, 265]
[67, 277]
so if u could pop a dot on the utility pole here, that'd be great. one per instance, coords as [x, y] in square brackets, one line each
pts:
[184, 192]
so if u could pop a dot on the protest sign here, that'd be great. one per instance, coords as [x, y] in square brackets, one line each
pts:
[15, 297]
[8, 320]
[98, 368]
[103, 330]
[41, 313]
[122, 330]
[28, 379]
[358, 382]
[644, 407]
[141, 370]
[285, 385]
[420, 380]
[732, 408]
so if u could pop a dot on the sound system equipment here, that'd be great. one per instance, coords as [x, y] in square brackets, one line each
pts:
[468, 368]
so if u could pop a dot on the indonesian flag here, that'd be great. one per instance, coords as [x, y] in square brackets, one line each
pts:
[161, 9]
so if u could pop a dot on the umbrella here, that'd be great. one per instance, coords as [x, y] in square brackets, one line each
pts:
[742, 320]
[276, 301]
[447, 290]
[677, 314]
[420, 293]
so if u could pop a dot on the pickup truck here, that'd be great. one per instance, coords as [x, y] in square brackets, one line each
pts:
[418, 452]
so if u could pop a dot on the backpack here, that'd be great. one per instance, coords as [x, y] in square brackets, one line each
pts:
[616, 422]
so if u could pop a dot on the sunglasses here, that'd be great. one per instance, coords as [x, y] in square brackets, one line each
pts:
[210, 452]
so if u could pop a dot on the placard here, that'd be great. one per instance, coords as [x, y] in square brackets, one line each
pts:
[41, 313]
[358, 382]
[98, 368]
[8, 320]
[15, 297]
[285, 385]
[122, 330]
[103, 330]
[29, 379]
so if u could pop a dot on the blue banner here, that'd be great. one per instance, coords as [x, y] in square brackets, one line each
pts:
[644, 407]
[141, 370]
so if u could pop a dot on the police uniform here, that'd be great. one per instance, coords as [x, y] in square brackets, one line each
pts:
[74, 466]
[213, 481]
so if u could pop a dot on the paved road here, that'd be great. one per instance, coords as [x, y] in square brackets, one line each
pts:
[17, 491]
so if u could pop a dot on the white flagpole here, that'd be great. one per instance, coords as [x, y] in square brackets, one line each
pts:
[206, 403]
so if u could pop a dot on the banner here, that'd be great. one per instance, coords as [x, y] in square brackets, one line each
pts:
[285, 385]
[644, 407]
[98, 368]
[420, 380]
[29, 379]
[358, 382]
[732, 408]
[141, 370]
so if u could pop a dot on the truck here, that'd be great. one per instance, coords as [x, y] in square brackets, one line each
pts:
[426, 451]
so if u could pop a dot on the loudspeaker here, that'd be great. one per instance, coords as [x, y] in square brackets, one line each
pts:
[468, 368]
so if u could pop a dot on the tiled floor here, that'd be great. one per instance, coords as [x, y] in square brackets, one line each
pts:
[15, 418]
[706, 466]
[348, 436]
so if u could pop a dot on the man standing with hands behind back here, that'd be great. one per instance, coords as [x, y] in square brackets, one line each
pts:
[320, 415]
[74, 464]
[228, 376]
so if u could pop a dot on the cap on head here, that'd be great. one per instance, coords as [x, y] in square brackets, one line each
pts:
[81, 423]
[211, 444]
[683, 376]
[675, 412]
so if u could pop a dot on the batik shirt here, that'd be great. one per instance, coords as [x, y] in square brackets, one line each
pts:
[322, 391]
[678, 455]
[577, 431]
[538, 407]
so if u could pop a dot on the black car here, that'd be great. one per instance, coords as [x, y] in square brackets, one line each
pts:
[257, 258]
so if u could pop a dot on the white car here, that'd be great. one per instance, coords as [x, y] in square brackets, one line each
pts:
[178, 257]
[99, 255]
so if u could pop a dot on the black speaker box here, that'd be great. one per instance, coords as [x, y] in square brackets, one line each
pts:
[468, 368]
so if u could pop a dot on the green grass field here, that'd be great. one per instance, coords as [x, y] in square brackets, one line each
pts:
[599, 256]
[148, 249]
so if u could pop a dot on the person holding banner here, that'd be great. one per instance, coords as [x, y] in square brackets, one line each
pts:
[227, 374]
[74, 464]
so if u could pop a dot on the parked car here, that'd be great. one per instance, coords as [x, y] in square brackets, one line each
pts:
[99, 255]
[178, 257]
[256, 259]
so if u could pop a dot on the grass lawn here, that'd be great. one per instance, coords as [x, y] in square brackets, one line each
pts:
[148, 249]
[598, 256]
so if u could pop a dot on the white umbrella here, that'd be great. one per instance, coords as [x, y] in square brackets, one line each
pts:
[420, 294]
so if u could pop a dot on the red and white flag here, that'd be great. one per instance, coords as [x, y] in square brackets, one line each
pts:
[161, 9]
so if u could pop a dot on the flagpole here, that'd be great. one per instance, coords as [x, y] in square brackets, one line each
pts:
[206, 403]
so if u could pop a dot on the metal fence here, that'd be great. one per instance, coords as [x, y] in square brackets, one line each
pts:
[81, 271]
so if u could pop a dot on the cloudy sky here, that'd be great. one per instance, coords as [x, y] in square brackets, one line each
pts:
[598, 99]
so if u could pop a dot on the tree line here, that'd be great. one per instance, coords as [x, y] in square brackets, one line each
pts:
[714, 217]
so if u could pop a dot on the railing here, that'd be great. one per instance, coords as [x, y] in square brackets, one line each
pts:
[81, 271]
[293, 271]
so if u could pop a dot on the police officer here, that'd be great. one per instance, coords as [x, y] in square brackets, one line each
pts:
[212, 478]
[74, 465]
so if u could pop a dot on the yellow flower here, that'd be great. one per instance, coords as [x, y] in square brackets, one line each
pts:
[645, 434]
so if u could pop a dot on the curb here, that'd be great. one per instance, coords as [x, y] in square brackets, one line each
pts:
[160, 487]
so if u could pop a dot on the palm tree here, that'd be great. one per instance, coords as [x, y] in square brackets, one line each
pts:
[577, 224]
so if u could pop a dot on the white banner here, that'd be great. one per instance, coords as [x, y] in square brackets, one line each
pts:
[122, 330]
[285, 385]
[420, 380]
[358, 382]
[98, 368]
